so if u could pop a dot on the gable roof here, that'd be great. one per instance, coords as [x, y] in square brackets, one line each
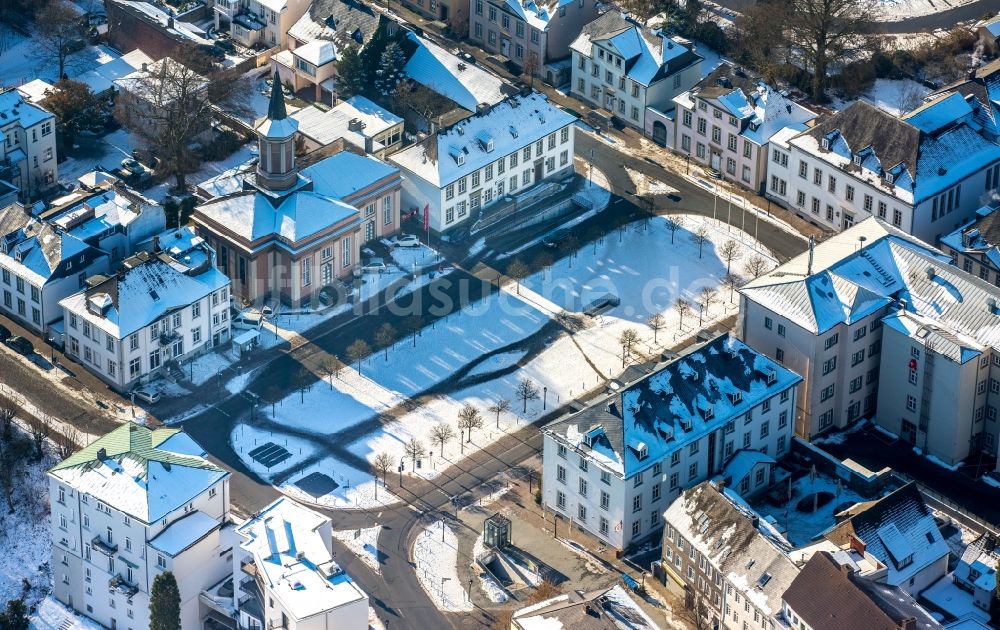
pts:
[830, 596]
[742, 546]
[898, 529]
[343, 22]
[43, 251]
[145, 473]
[467, 85]
[667, 409]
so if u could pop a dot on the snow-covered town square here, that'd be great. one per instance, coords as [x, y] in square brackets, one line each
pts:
[500, 315]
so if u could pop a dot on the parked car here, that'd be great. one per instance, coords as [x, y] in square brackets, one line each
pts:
[374, 265]
[20, 345]
[147, 395]
[553, 239]
[246, 320]
[4, 333]
[408, 240]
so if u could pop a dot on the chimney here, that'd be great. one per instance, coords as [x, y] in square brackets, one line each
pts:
[102, 454]
[369, 144]
[170, 21]
[156, 243]
[812, 246]
[908, 624]
[145, 67]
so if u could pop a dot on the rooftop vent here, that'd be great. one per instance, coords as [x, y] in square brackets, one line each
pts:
[102, 454]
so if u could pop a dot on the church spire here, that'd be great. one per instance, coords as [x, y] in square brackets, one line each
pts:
[276, 108]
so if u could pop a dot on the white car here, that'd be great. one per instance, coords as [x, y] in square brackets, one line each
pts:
[150, 396]
[408, 240]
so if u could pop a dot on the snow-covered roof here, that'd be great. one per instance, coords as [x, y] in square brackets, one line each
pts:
[980, 235]
[742, 464]
[110, 209]
[507, 127]
[39, 250]
[15, 109]
[899, 530]
[148, 288]
[343, 22]
[292, 549]
[762, 110]
[357, 116]
[680, 402]
[650, 55]
[468, 85]
[741, 545]
[317, 52]
[927, 151]
[848, 283]
[163, 20]
[145, 473]
[606, 609]
[103, 77]
[36, 91]
[184, 532]
[142, 83]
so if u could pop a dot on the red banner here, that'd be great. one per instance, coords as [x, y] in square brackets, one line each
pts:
[427, 217]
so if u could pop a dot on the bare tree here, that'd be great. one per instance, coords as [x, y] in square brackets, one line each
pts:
[67, 442]
[331, 368]
[385, 336]
[40, 429]
[499, 407]
[683, 308]
[382, 464]
[706, 297]
[729, 251]
[826, 30]
[518, 271]
[695, 611]
[8, 409]
[357, 351]
[628, 339]
[170, 107]
[12, 454]
[469, 418]
[526, 390]
[530, 67]
[732, 282]
[756, 266]
[673, 223]
[414, 325]
[656, 321]
[442, 433]
[699, 238]
[59, 33]
[414, 449]
[758, 36]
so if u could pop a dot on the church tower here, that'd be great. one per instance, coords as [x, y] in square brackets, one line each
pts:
[276, 134]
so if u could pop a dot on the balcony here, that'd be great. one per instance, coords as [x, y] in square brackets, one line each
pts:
[249, 21]
[105, 547]
[168, 337]
[120, 584]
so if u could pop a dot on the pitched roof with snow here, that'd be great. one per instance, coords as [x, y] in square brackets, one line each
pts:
[467, 85]
[849, 283]
[40, 250]
[357, 116]
[483, 138]
[292, 549]
[147, 288]
[742, 464]
[343, 22]
[697, 393]
[980, 235]
[761, 110]
[743, 546]
[103, 77]
[898, 529]
[927, 151]
[13, 107]
[142, 472]
[143, 84]
[830, 596]
[650, 55]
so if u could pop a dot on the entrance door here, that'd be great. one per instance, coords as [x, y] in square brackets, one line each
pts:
[505, 47]
[538, 171]
[659, 133]
[369, 231]
[717, 161]
[908, 432]
[444, 13]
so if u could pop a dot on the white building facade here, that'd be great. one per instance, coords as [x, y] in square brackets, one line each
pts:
[612, 470]
[111, 537]
[27, 145]
[125, 328]
[502, 151]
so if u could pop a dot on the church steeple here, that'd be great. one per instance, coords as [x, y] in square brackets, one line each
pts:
[276, 135]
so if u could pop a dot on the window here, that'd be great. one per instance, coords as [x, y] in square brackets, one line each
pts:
[829, 365]
[803, 170]
[857, 357]
[782, 419]
[673, 481]
[637, 503]
[603, 526]
[831, 184]
[605, 500]
[161, 562]
[779, 355]
[768, 323]
[583, 464]
[637, 480]
[345, 245]
[781, 330]
[560, 474]
[561, 450]
[692, 471]
[581, 512]
[856, 384]
[831, 341]
[849, 192]
[605, 477]
[817, 177]
[686, 118]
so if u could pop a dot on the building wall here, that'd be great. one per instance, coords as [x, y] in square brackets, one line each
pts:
[974, 262]
[127, 31]
[451, 206]
[808, 355]
[39, 171]
[520, 41]
[49, 294]
[745, 164]
[638, 501]
[98, 351]
[687, 566]
[808, 179]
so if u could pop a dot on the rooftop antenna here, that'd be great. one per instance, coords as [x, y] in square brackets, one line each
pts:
[812, 247]
[861, 243]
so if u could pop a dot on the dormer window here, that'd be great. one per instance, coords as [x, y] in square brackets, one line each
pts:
[709, 412]
[826, 144]
[641, 451]
[889, 177]
[772, 376]
[858, 159]
[735, 397]
[460, 159]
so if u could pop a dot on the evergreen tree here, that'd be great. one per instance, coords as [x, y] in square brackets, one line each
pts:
[165, 603]
[15, 617]
[351, 74]
[390, 72]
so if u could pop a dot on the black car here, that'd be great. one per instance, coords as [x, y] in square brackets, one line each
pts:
[20, 345]
[4, 333]
[553, 240]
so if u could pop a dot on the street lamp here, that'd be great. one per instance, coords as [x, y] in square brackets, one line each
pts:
[545, 396]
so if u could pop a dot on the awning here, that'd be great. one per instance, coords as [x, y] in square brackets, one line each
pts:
[246, 337]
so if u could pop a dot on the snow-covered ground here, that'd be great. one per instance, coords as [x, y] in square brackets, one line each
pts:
[493, 590]
[22, 61]
[958, 603]
[356, 489]
[801, 527]
[364, 544]
[206, 366]
[413, 258]
[897, 10]
[893, 96]
[437, 568]
[646, 185]
[52, 615]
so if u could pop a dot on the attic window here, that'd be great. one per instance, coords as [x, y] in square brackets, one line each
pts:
[826, 144]
[153, 294]
[772, 376]
[857, 159]
[460, 159]
[513, 131]
[709, 412]
[765, 577]
[889, 177]
[641, 451]
[930, 537]
[735, 397]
